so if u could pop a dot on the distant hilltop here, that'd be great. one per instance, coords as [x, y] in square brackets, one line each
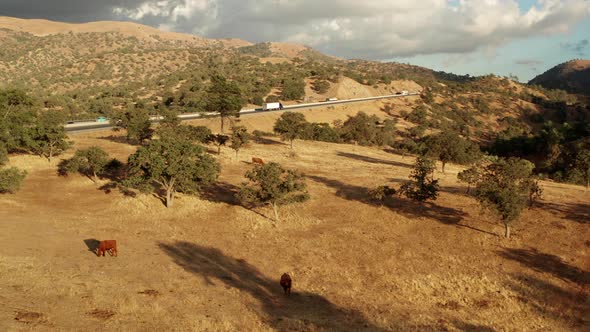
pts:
[572, 76]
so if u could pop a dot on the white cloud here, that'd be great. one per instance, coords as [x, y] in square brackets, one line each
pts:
[377, 29]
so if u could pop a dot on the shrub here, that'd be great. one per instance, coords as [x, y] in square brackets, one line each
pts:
[11, 179]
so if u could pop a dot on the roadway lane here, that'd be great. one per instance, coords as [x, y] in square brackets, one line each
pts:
[92, 126]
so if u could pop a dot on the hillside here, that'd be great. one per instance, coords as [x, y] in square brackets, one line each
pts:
[101, 68]
[572, 76]
[212, 261]
[211, 264]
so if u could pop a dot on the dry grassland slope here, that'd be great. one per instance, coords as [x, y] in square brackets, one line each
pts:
[210, 264]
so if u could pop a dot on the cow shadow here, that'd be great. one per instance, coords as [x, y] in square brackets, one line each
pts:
[372, 160]
[310, 311]
[92, 245]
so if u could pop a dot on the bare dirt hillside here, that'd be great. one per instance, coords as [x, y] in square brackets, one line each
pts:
[210, 264]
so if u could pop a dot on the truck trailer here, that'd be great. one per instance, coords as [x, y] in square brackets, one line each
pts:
[272, 106]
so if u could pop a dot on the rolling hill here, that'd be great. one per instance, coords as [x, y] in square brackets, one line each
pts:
[572, 76]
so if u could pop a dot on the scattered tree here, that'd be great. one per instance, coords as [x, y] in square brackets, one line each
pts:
[224, 97]
[49, 137]
[10, 180]
[290, 125]
[450, 147]
[470, 176]
[535, 192]
[293, 89]
[504, 188]
[240, 137]
[363, 129]
[137, 123]
[175, 165]
[219, 140]
[321, 86]
[3, 154]
[271, 184]
[90, 162]
[421, 186]
[582, 166]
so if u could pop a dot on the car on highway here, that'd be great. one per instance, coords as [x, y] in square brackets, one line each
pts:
[332, 99]
[102, 119]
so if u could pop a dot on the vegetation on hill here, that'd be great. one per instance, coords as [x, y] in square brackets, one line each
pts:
[572, 76]
[128, 79]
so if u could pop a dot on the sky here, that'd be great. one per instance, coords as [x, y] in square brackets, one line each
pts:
[477, 37]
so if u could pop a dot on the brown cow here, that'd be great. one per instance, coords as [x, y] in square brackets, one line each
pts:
[256, 160]
[286, 283]
[107, 245]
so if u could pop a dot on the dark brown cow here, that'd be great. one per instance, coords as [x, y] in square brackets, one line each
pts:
[256, 160]
[286, 283]
[107, 245]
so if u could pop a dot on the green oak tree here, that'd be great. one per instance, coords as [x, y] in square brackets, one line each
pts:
[290, 125]
[173, 165]
[504, 189]
[224, 97]
[239, 138]
[274, 185]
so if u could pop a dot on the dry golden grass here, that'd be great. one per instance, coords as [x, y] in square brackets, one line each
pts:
[210, 264]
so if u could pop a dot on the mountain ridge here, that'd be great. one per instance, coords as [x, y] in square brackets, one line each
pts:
[572, 76]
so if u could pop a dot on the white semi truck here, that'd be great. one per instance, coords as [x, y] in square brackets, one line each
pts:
[272, 106]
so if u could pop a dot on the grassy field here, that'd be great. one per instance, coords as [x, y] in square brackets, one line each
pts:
[209, 264]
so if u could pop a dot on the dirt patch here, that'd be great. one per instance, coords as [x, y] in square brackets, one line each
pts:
[28, 317]
[101, 314]
[150, 292]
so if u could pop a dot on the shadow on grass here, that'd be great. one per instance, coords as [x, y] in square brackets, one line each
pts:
[119, 139]
[372, 160]
[267, 141]
[567, 306]
[410, 209]
[309, 310]
[547, 263]
[221, 192]
[577, 212]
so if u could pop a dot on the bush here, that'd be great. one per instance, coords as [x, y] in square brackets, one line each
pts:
[320, 132]
[11, 179]
[422, 186]
[381, 192]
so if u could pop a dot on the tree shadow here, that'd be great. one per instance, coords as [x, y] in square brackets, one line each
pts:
[92, 245]
[119, 139]
[221, 192]
[569, 306]
[407, 208]
[309, 311]
[108, 188]
[464, 326]
[267, 141]
[547, 263]
[372, 160]
[577, 212]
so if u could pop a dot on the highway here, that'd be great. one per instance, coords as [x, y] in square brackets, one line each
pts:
[93, 125]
